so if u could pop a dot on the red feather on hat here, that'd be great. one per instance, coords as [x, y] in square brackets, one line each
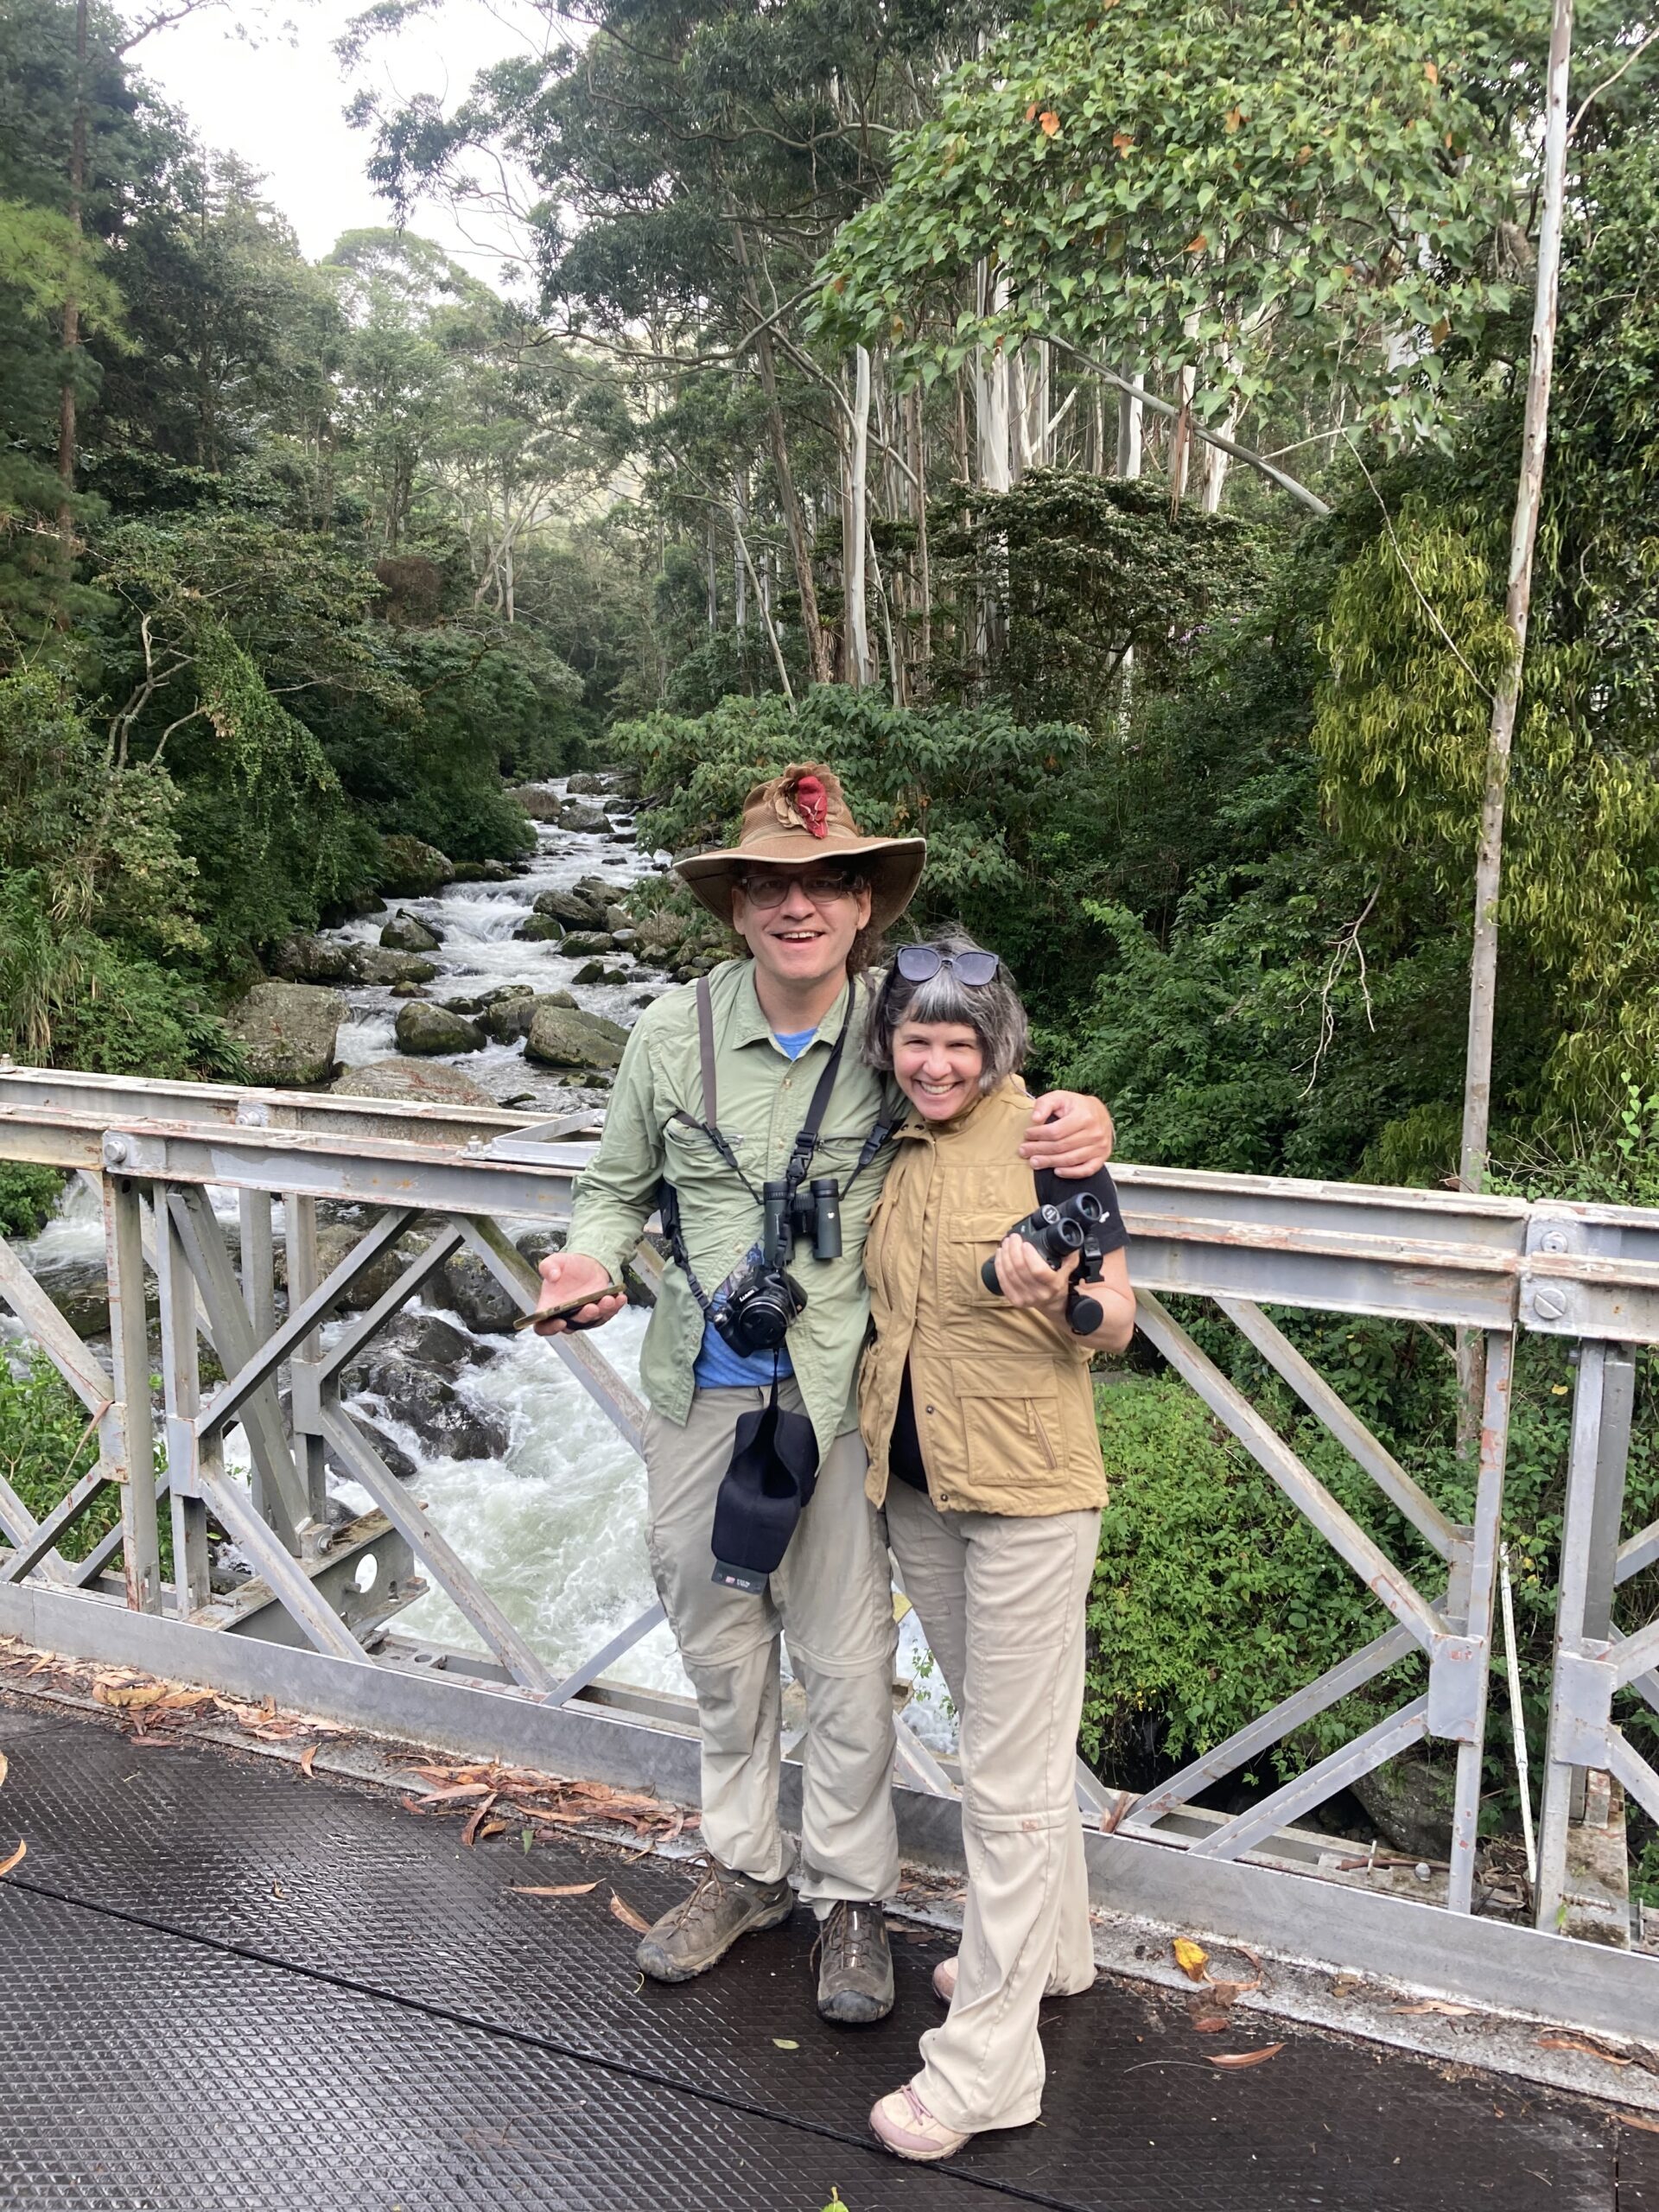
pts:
[812, 805]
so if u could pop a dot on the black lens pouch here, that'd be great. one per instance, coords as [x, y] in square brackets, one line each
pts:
[773, 1472]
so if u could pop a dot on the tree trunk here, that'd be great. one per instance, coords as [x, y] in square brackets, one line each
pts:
[918, 493]
[66, 429]
[1523, 536]
[859, 662]
[800, 546]
[1131, 414]
[991, 393]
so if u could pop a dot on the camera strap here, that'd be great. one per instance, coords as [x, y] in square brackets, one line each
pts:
[800, 1159]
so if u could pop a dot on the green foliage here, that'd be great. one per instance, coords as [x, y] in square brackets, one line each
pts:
[1256, 192]
[1004, 807]
[1080, 571]
[1212, 1599]
[28, 1197]
[46, 1445]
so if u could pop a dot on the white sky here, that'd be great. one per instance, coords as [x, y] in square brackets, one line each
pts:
[280, 104]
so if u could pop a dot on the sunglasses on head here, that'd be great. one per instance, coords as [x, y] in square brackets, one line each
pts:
[916, 962]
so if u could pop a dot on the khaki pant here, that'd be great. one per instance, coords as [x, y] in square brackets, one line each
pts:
[832, 1598]
[1001, 1601]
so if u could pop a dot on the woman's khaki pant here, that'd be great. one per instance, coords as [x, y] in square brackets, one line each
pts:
[833, 1599]
[1000, 1599]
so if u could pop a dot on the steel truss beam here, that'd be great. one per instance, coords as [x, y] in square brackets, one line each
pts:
[1244, 1243]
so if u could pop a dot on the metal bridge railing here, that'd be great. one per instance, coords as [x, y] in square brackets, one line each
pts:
[156, 1151]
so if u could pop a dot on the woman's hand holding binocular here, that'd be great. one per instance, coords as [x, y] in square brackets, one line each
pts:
[1027, 1280]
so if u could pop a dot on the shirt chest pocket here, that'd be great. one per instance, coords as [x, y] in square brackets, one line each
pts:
[1012, 1423]
[691, 1162]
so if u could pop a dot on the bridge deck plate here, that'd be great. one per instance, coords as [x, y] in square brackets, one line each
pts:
[221, 1983]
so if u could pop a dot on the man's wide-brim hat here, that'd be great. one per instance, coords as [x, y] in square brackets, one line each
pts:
[801, 819]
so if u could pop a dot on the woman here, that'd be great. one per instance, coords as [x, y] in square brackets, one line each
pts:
[978, 1416]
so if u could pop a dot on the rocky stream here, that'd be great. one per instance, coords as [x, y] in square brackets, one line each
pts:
[515, 988]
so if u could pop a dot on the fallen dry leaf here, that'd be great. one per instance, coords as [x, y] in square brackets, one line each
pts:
[1232, 2060]
[1190, 1957]
[490, 1829]
[4, 1769]
[1589, 2049]
[1436, 2004]
[453, 1794]
[469, 1833]
[551, 1889]
[1635, 2119]
[627, 1915]
[129, 1697]
[16, 1859]
[306, 1759]
[785, 2043]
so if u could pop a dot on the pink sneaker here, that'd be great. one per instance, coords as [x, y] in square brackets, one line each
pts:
[903, 2124]
[944, 1983]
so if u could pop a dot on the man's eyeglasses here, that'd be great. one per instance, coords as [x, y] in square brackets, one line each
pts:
[767, 892]
[916, 962]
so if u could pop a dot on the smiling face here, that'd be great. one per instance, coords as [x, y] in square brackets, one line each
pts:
[938, 1065]
[805, 937]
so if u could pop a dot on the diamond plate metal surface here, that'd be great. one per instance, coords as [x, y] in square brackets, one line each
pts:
[325, 1885]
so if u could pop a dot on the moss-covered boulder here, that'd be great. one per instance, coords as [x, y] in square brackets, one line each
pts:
[286, 1033]
[411, 869]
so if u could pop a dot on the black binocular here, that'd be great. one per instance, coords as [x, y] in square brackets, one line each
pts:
[813, 1212]
[1055, 1231]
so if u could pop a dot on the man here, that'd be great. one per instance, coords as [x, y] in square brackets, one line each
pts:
[778, 1039]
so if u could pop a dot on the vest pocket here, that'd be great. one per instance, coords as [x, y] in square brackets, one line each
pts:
[973, 1238]
[1012, 1425]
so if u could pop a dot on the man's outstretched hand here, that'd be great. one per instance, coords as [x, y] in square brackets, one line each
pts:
[1069, 1131]
[565, 1276]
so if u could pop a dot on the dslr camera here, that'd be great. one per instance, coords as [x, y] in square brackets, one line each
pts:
[766, 1299]
[1056, 1231]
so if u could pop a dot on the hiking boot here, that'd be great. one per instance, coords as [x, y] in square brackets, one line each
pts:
[854, 1965]
[694, 1934]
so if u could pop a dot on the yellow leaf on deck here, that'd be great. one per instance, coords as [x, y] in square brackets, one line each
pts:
[1190, 1957]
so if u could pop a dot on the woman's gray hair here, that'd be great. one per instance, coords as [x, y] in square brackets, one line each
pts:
[992, 1011]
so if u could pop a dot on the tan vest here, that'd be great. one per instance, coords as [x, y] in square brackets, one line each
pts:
[1004, 1407]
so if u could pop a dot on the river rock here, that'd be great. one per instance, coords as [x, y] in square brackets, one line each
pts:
[449, 1425]
[623, 836]
[287, 1031]
[427, 1028]
[484, 870]
[423, 1083]
[371, 964]
[407, 933]
[397, 1460]
[587, 783]
[659, 937]
[539, 802]
[419, 1334]
[466, 1286]
[579, 942]
[313, 960]
[78, 1288]
[539, 929]
[560, 1038]
[589, 820]
[572, 905]
[334, 1239]
[600, 888]
[412, 869]
[511, 1018]
[618, 918]
[1410, 1803]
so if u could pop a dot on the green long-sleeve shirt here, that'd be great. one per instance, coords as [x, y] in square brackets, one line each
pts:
[763, 1098]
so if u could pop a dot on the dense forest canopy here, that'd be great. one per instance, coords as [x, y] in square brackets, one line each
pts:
[860, 391]
[1093, 424]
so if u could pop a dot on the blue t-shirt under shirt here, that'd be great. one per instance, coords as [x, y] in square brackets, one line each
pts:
[718, 1367]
